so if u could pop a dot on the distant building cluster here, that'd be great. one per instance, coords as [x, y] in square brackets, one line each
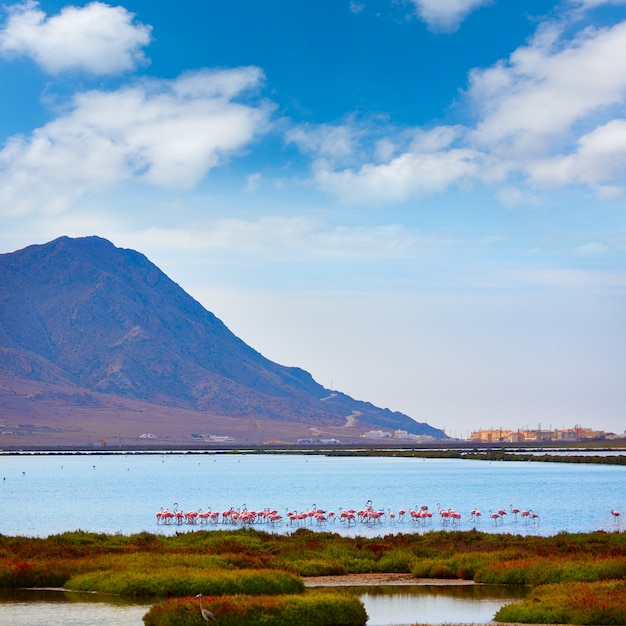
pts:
[221, 440]
[318, 440]
[397, 434]
[499, 435]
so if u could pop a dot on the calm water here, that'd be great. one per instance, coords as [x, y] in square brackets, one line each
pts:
[385, 606]
[121, 493]
[42, 495]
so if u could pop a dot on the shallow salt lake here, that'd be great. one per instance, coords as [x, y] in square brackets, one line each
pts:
[122, 493]
[45, 494]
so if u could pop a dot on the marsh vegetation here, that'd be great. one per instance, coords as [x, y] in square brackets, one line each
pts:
[251, 577]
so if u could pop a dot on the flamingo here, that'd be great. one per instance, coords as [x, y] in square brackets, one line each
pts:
[515, 511]
[321, 518]
[616, 515]
[207, 616]
[495, 517]
[275, 518]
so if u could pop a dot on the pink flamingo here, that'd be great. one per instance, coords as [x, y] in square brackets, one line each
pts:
[275, 518]
[347, 516]
[515, 511]
[321, 519]
[495, 517]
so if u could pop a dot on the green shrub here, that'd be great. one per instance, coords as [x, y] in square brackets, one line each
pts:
[315, 567]
[314, 609]
[398, 560]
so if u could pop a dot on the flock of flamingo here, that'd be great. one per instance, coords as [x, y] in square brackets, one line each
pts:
[368, 515]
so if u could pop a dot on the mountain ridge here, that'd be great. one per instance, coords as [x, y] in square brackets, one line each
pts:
[86, 314]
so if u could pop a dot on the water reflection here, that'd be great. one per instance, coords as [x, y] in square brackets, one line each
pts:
[432, 604]
[58, 608]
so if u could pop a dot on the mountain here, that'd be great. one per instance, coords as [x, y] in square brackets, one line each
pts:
[96, 339]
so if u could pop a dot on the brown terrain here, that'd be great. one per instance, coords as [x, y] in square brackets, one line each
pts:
[98, 347]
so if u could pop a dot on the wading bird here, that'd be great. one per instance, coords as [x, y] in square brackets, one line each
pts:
[207, 616]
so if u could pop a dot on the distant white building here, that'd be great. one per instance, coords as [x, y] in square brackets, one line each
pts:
[221, 439]
[377, 434]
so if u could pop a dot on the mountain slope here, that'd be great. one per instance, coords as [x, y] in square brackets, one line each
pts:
[82, 312]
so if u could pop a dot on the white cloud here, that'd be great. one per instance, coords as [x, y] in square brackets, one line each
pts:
[356, 7]
[513, 197]
[600, 156]
[295, 236]
[591, 249]
[546, 87]
[446, 15]
[407, 175]
[336, 142]
[549, 115]
[164, 133]
[252, 181]
[407, 164]
[592, 4]
[572, 278]
[97, 38]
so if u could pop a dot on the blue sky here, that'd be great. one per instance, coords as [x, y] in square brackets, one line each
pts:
[421, 202]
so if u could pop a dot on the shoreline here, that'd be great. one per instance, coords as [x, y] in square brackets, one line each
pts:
[376, 579]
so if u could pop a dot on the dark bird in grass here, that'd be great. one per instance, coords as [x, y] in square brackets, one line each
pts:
[207, 616]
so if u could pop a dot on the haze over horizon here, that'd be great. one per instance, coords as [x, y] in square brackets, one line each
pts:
[421, 203]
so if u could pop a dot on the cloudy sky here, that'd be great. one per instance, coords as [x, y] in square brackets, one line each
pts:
[421, 202]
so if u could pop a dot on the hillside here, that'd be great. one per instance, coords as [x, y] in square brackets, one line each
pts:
[88, 329]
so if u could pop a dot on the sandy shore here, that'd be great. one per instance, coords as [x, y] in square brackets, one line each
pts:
[365, 580]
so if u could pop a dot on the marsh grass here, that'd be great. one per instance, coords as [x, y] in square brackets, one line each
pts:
[602, 603]
[543, 570]
[311, 609]
[250, 563]
[185, 581]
